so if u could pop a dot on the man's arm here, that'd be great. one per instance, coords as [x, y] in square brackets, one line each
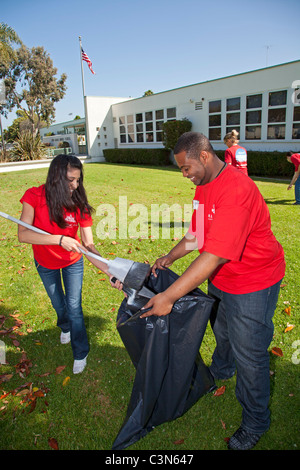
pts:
[199, 270]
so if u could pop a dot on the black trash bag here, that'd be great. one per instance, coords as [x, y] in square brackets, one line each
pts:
[170, 374]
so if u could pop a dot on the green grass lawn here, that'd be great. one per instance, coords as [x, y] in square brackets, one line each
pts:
[41, 399]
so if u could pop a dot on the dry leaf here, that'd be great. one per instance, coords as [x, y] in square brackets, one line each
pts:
[220, 391]
[277, 352]
[59, 369]
[53, 443]
[288, 310]
[178, 442]
[66, 381]
[289, 327]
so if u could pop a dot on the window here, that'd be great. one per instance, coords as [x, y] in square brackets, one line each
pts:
[296, 123]
[171, 113]
[214, 120]
[253, 117]
[233, 106]
[277, 115]
[159, 121]
[144, 127]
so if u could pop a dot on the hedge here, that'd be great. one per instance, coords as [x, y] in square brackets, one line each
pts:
[270, 164]
[138, 156]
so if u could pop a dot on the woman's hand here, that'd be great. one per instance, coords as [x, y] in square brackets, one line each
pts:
[70, 244]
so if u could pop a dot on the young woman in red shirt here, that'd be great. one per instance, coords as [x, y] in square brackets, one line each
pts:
[235, 155]
[60, 207]
[295, 159]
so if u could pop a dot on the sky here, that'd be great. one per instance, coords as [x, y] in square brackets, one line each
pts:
[137, 45]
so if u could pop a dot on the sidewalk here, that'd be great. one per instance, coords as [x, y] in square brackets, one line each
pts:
[32, 164]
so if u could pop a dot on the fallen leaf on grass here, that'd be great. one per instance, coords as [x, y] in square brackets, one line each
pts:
[53, 443]
[220, 391]
[288, 310]
[178, 442]
[66, 381]
[277, 352]
[59, 369]
[289, 327]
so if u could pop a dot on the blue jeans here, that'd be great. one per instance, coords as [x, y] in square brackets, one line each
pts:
[67, 302]
[243, 328]
[297, 190]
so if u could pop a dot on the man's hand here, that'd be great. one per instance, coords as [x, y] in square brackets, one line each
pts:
[162, 263]
[160, 306]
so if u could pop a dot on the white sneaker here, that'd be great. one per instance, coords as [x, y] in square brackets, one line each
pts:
[65, 338]
[79, 365]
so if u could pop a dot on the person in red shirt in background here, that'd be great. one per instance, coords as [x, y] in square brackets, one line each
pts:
[60, 207]
[295, 159]
[235, 155]
[244, 265]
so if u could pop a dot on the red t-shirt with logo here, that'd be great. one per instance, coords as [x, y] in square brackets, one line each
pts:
[237, 157]
[53, 256]
[295, 158]
[231, 220]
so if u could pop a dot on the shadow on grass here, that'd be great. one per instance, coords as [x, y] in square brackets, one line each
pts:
[86, 411]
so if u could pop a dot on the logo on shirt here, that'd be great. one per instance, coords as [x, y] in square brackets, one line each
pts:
[70, 219]
[211, 213]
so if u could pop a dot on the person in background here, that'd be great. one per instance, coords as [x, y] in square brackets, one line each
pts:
[244, 265]
[295, 159]
[235, 155]
[60, 207]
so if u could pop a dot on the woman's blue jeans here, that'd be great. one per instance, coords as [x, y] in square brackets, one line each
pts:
[67, 302]
[243, 328]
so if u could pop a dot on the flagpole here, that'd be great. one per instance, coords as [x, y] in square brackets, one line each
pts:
[83, 92]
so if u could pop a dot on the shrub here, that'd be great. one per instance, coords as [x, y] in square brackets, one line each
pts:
[172, 130]
[138, 156]
[269, 164]
[28, 147]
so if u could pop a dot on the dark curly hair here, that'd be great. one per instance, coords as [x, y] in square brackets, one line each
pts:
[57, 191]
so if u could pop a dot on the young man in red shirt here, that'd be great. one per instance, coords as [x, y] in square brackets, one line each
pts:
[244, 264]
[295, 159]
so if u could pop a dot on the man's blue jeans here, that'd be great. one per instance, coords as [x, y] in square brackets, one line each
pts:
[297, 190]
[243, 328]
[67, 302]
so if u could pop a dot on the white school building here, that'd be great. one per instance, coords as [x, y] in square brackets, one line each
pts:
[262, 105]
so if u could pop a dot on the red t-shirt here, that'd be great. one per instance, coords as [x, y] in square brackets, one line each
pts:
[237, 157]
[295, 158]
[232, 221]
[53, 256]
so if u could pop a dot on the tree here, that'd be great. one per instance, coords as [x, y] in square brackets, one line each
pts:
[31, 85]
[148, 93]
[8, 37]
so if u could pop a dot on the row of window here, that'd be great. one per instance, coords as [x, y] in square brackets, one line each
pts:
[144, 127]
[276, 117]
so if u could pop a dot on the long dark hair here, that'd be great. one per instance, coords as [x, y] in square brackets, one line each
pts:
[57, 191]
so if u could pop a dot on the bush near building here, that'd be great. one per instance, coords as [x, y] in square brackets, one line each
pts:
[269, 164]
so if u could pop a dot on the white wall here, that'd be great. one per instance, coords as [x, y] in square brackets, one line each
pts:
[262, 81]
[99, 124]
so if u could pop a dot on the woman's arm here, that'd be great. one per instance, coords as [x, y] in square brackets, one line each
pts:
[25, 235]
[86, 235]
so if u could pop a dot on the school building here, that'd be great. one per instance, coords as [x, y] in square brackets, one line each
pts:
[262, 105]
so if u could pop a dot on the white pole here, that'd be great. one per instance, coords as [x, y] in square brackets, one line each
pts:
[84, 102]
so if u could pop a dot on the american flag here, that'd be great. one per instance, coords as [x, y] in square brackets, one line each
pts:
[86, 58]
